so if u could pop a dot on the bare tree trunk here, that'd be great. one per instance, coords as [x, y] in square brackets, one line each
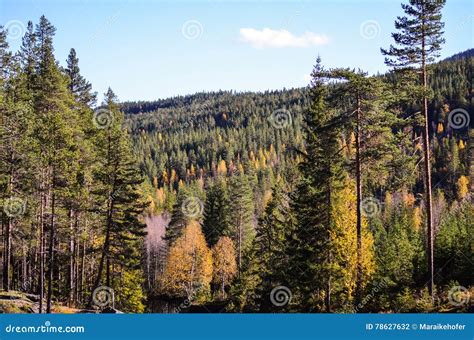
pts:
[105, 251]
[71, 257]
[81, 277]
[240, 248]
[41, 250]
[358, 171]
[7, 237]
[51, 251]
[7, 254]
[427, 171]
[329, 258]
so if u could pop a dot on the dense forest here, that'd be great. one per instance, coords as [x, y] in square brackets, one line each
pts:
[353, 194]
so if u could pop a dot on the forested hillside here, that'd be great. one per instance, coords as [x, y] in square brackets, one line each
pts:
[353, 194]
[184, 138]
[205, 144]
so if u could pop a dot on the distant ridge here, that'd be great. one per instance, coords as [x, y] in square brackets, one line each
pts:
[144, 106]
[466, 54]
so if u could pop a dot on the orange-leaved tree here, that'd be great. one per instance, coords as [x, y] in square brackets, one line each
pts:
[225, 265]
[188, 270]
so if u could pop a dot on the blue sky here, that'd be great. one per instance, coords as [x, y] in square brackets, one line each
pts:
[150, 49]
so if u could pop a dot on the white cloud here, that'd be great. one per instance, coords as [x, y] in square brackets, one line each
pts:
[280, 38]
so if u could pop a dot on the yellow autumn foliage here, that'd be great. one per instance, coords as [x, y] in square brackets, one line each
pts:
[462, 186]
[345, 217]
[189, 264]
[440, 128]
[222, 168]
[225, 265]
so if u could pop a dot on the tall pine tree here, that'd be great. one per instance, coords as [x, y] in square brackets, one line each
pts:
[417, 44]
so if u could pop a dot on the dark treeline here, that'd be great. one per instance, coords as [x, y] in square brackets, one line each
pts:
[351, 195]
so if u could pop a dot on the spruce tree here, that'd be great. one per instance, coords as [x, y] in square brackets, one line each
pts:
[312, 258]
[216, 213]
[270, 247]
[241, 216]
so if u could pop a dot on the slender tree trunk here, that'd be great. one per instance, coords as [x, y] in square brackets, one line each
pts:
[71, 257]
[7, 254]
[240, 244]
[107, 272]
[329, 255]
[51, 250]
[105, 251]
[471, 158]
[7, 236]
[41, 251]
[427, 171]
[223, 287]
[81, 277]
[358, 172]
[105, 248]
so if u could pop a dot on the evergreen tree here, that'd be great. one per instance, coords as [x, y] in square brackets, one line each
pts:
[312, 257]
[188, 207]
[364, 104]
[78, 85]
[216, 213]
[418, 42]
[117, 196]
[269, 267]
[241, 216]
[54, 129]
